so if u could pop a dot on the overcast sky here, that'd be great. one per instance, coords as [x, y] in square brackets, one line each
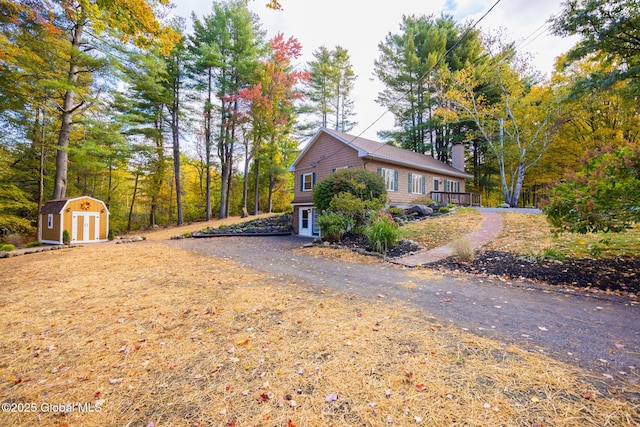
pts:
[360, 25]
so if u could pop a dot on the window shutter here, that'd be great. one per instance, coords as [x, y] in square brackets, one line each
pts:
[302, 182]
[313, 179]
[410, 183]
[424, 178]
[395, 180]
[333, 170]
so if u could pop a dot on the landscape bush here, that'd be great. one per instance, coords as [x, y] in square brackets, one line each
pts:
[66, 237]
[383, 232]
[364, 185]
[333, 225]
[355, 208]
[7, 248]
[603, 196]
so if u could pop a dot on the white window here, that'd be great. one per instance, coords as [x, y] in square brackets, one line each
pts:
[390, 177]
[436, 188]
[416, 184]
[451, 186]
[307, 181]
[50, 221]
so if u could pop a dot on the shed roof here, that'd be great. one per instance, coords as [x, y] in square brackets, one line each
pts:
[56, 206]
[369, 149]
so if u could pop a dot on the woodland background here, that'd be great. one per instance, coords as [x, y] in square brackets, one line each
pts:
[170, 121]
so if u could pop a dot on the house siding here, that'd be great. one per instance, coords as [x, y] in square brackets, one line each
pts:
[322, 158]
[403, 196]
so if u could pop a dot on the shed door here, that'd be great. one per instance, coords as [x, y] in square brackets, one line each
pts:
[85, 227]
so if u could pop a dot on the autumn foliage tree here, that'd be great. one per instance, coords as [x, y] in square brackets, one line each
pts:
[603, 196]
[269, 107]
[83, 22]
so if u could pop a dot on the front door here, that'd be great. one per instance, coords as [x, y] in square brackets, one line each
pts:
[308, 222]
[85, 227]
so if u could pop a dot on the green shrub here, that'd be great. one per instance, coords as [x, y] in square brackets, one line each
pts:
[7, 248]
[542, 255]
[352, 207]
[383, 232]
[444, 210]
[33, 244]
[333, 225]
[66, 237]
[364, 185]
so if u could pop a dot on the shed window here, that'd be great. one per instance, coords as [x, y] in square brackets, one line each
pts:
[390, 177]
[50, 221]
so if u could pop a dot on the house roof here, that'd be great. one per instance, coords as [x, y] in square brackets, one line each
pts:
[374, 150]
[56, 206]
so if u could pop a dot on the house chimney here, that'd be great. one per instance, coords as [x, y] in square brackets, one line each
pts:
[457, 156]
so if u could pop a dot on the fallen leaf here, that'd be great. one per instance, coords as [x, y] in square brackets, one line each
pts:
[421, 387]
[586, 395]
[542, 328]
[331, 397]
[114, 381]
[264, 397]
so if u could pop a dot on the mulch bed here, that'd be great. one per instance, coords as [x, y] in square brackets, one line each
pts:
[620, 275]
[606, 274]
[359, 241]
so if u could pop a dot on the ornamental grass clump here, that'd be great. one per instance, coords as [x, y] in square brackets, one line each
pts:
[463, 249]
[383, 232]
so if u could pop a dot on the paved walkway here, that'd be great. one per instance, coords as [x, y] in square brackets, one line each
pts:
[489, 229]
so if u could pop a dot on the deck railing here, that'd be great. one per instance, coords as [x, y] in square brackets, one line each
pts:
[460, 199]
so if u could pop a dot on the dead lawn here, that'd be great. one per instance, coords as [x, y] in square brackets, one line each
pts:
[530, 234]
[157, 336]
[438, 231]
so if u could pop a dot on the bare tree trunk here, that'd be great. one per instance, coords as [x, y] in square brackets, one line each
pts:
[133, 200]
[245, 183]
[68, 110]
[207, 149]
[256, 188]
[175, 131]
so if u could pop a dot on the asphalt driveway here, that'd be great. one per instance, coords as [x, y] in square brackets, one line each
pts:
[596, 332]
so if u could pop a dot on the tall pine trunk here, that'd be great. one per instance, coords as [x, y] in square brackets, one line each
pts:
[175, 133]
[207, 147]
[256, 187]
[68, 110]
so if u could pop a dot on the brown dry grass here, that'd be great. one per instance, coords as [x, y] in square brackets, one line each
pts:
[526, 234]
[161, 336]
[438, 231]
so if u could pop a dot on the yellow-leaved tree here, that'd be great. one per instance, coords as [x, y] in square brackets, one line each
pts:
[88, 26]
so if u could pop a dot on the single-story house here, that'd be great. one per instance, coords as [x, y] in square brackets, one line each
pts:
[408, 175]
[85, 219]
